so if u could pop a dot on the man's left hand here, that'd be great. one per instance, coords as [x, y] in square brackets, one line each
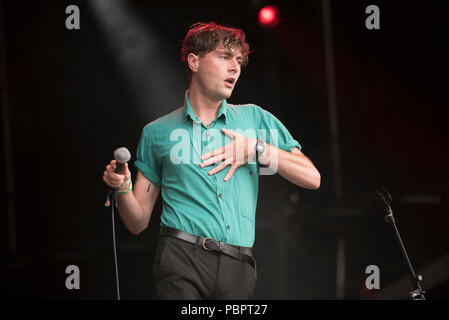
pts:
[236, 153]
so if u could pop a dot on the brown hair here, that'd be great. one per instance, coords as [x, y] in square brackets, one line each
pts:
[203, 38]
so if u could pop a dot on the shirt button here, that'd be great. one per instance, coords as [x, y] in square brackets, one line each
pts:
[219, 195]
[228, 227]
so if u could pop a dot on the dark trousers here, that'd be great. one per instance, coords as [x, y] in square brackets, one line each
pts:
[183, 270]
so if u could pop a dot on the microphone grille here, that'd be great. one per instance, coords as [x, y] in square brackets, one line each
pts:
[122, 155]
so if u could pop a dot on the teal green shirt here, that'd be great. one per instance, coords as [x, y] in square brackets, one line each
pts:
[169, 154]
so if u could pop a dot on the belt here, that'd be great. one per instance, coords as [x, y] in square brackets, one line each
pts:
[209, 244]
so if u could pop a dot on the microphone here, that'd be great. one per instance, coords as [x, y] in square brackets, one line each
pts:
[121, 155]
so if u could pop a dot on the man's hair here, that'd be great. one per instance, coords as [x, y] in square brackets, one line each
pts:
[204, 37]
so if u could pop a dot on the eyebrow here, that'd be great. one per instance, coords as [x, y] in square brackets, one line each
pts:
[229, 53]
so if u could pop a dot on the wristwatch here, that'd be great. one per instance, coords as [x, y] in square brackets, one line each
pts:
[260, 148]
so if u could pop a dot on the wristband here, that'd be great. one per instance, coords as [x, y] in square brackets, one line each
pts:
[125, 188]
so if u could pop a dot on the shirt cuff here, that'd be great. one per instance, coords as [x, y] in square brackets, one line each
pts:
[289, 145]
[148, 173]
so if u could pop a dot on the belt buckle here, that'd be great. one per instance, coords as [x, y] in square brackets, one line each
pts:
[203, 243]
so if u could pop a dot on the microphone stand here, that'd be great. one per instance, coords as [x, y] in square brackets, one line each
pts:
[418, 293]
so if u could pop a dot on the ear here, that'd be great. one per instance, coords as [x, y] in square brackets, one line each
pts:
[193, 61]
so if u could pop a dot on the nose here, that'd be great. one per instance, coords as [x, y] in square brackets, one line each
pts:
[234, 65]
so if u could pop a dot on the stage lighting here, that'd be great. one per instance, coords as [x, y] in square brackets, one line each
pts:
[269, 16]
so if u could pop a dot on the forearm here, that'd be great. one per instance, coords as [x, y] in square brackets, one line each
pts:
[131, 212]
[296, 168]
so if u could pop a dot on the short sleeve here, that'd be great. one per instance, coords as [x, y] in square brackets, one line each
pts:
[275, 133]
[147, 161]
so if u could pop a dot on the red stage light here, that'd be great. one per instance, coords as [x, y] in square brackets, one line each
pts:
[268, 16]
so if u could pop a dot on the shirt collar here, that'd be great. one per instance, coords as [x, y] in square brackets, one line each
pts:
[188, 111]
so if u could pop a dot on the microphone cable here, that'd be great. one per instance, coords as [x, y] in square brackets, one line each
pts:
[121, 156]
[107, 204]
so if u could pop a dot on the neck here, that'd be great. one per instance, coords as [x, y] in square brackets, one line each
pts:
[204, 107]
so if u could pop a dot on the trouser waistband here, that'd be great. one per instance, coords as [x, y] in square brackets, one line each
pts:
[209, 244]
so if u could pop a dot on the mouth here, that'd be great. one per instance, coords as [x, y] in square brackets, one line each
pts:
[229, 82]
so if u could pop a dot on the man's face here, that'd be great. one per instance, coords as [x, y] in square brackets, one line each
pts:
[218, 72]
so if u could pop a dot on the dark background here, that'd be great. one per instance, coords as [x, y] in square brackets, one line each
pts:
[74, 96]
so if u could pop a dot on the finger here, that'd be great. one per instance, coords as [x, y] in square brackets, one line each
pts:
[213, 153]
[231, 172]
[111, 175]
[229, 132]
[112, 171]
[113, 164]
[113, 183]
[127, 173]
[106, 181]
[115, 176]
[212, 160]
[110, 168]
[119, 181]
[110, 183]
[218, 168]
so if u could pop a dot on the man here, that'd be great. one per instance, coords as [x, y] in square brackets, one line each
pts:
[208, 217]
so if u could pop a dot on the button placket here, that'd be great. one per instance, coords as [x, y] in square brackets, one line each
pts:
[207, 140]
[226, 223]
[221, 188]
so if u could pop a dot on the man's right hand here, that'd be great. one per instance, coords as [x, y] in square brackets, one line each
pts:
[113, 179]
